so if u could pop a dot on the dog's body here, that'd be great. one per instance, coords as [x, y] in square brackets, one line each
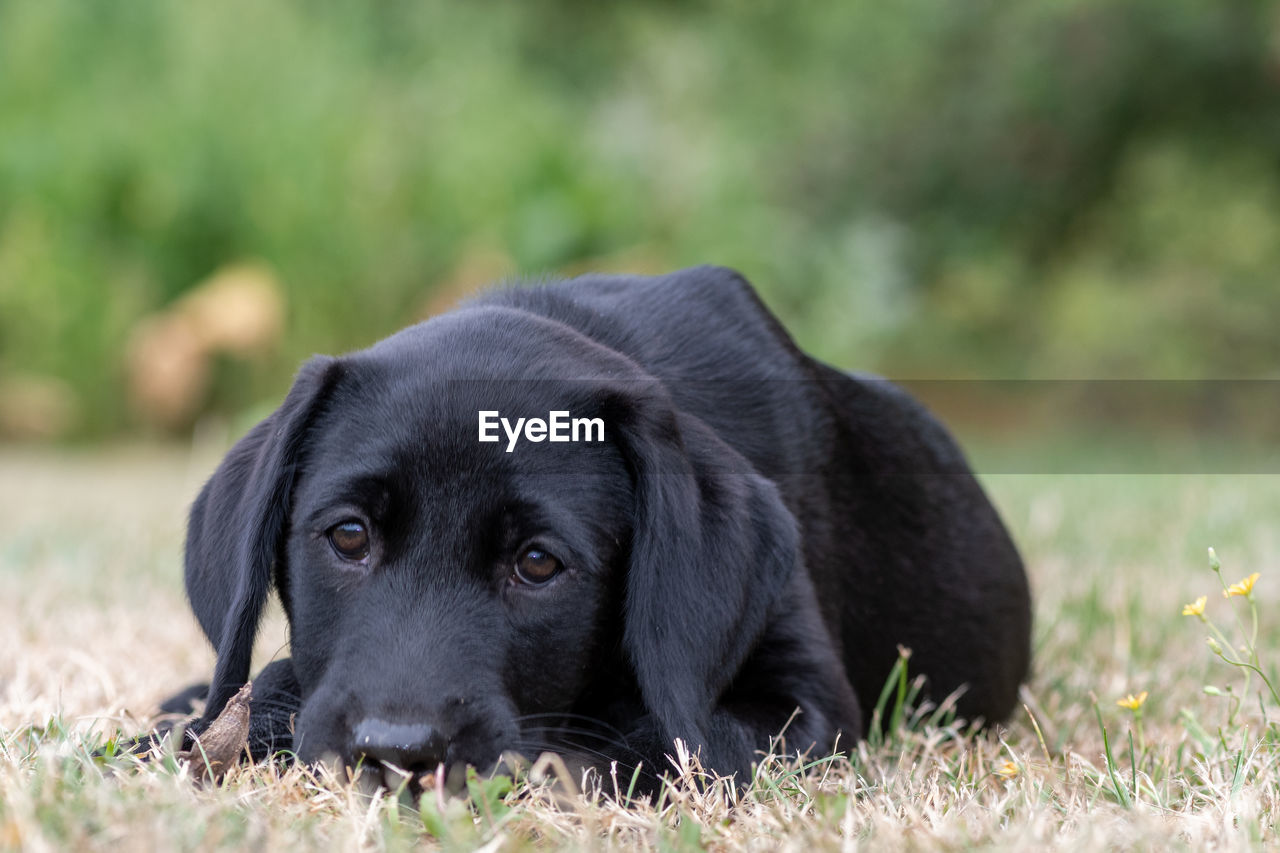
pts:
[758, 533]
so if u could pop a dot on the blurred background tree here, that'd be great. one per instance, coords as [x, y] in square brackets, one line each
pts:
[995, 188]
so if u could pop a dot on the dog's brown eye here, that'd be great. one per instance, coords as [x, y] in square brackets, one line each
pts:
[350, 539]
[535, 566]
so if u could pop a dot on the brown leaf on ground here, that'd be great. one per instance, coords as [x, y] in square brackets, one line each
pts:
[220, 745]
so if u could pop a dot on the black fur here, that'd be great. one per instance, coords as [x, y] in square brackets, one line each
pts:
[757, 534]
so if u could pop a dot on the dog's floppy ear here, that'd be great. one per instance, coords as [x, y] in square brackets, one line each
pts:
[237, 527]
[712, 548]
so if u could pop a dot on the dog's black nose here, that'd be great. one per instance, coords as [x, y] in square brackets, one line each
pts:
[415, 747]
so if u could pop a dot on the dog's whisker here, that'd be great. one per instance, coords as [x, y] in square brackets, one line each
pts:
[280, 704]
[563, 741]
[562, 735]
[594, 721]
[601, 761]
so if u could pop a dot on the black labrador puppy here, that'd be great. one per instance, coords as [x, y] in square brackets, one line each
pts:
[595, 516]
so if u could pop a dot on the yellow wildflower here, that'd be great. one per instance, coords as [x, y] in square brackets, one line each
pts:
[1243, 588]
[1195, 608]
[1132, 702]
[1008, 770]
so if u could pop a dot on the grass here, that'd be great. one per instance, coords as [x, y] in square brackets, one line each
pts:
[94, 631]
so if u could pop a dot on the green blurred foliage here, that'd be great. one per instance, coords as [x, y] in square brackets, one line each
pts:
[928, 188]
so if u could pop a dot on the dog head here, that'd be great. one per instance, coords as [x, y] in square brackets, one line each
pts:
[446, 596]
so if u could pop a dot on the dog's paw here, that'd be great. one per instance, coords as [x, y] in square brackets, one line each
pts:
[187, 701]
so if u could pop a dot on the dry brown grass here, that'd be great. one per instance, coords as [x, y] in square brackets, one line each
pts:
[94, 631]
